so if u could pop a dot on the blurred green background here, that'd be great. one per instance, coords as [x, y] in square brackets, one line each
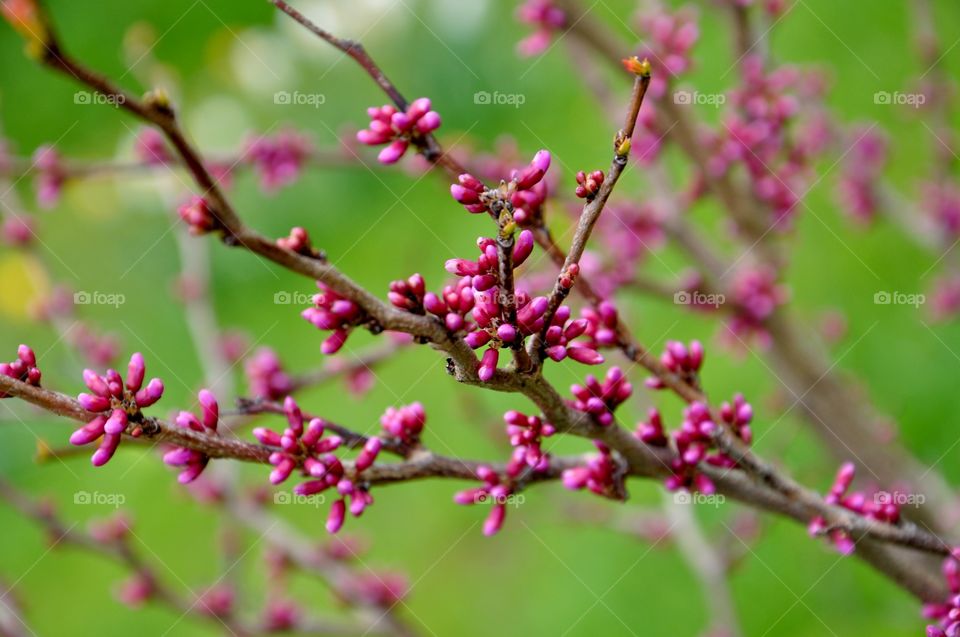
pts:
[545, 572]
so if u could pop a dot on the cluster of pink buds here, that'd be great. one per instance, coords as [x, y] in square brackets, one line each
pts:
[650, 431]
[672, 37]
[588, 185]
[526, 433]
[296, 442]
[408, 295]
[454, 305]
[279, 159]
[151, 148]
[602, 399]
[600, 475]
[298, 241]
[51, 175]
[24, 368]
[547, 18]
[484, 271]
[117, 404]
[198, 215]
[306, 448]
[602, 324]
[860, 179]
[398, 128]
[947, 613]
[332, 312]
[493, 490]
[682, 360]
[880, 506]
[756, 295]
[405, 423]
[266, 376]
[693, 441]
[525, 192]
[194, 462]
[561, 334]
[758, 135]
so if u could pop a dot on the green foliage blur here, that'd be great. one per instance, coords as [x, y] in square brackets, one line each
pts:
[560, 566]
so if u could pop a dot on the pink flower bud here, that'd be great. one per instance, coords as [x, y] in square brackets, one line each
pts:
[488, 364]
[392, 153]
[150, 394]
[135, 372]
[336, 516]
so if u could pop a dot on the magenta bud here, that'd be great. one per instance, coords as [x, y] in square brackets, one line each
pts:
[150, 394]
[392, 153]
[93, 403]
[523, 247]
[401, 121]
[267, 436]
[282, 470]
[294, 415]
[488, 364]
[454, 322]
[313, 432]
[333, 343]
[89, 432]
[210, 408]
[310, 487]
[429, 122]
[179, 456]
[419, 107]
[25, 354]
[507, 333]
[335, 519]
[433, 304]
[557, 352]
[108, 446]
[95, 383]
[478, 338]
[696, 355]
[585, 355]
[116, 423]
[494, 521]
[533, 173]
[135, 372]
[464, 195]
[462, 267]
[369, 454]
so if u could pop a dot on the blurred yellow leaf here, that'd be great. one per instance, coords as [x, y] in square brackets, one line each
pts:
[24, 282]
